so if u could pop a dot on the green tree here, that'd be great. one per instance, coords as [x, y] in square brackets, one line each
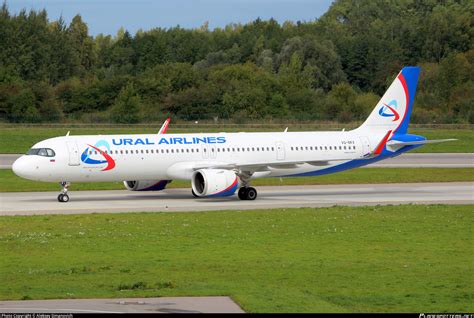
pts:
[82, 44]
[23, 107]
[340, 102]
[127, 105]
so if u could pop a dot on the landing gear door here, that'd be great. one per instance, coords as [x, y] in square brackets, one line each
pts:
[73, 153]
[280, 150]
[365, 143]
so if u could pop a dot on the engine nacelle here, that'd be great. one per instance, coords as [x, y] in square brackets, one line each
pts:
[146, 185]
[214, 182]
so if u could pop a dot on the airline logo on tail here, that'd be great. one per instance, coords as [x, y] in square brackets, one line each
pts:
[86, 155]
[389, 110]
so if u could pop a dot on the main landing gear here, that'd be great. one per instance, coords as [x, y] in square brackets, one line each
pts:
[247, 193]
[63, 197]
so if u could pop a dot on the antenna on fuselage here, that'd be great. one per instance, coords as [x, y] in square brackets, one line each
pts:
[286, 129]
[68, 133]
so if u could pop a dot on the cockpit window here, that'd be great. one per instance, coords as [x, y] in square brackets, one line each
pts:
[45, 152]
[42, 152]
[32, 151]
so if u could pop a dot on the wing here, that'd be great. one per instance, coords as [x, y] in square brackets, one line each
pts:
[266, 166]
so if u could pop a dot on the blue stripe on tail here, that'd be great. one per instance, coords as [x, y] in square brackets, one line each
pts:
[410, 79]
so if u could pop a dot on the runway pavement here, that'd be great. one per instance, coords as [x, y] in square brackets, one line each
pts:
[408, 160]
[124, 305]
[181, 200]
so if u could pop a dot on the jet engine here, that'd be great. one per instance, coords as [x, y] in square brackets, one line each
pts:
[146, 185]
[214, 182]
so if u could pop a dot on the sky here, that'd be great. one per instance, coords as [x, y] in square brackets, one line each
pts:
[107, 16]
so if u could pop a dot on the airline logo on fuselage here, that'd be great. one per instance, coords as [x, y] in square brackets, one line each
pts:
[100, 155]
[168, 141]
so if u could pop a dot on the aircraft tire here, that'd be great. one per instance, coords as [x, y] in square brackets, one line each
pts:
[251, 194]
[242, 193]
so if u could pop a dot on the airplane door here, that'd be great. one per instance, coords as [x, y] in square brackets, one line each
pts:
[365, 145]
[280, 150]
[73, 153]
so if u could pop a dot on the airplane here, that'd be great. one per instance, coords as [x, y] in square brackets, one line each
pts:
[220, 164]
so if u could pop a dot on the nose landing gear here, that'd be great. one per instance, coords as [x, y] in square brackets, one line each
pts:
[63, 197]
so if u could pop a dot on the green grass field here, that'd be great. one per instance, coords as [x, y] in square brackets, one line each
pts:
[340, 259]
[12, 183]
[21, 138]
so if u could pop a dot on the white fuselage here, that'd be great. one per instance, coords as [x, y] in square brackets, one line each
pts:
[174, 156]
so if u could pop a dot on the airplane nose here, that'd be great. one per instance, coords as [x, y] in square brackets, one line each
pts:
[20, 167]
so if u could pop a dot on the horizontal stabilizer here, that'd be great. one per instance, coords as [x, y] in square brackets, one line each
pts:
[394, 145]
[419, 142]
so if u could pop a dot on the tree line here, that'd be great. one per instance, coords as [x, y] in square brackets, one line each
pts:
[332, 68]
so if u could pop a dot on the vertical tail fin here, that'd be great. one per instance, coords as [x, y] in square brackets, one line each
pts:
[394, 108]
